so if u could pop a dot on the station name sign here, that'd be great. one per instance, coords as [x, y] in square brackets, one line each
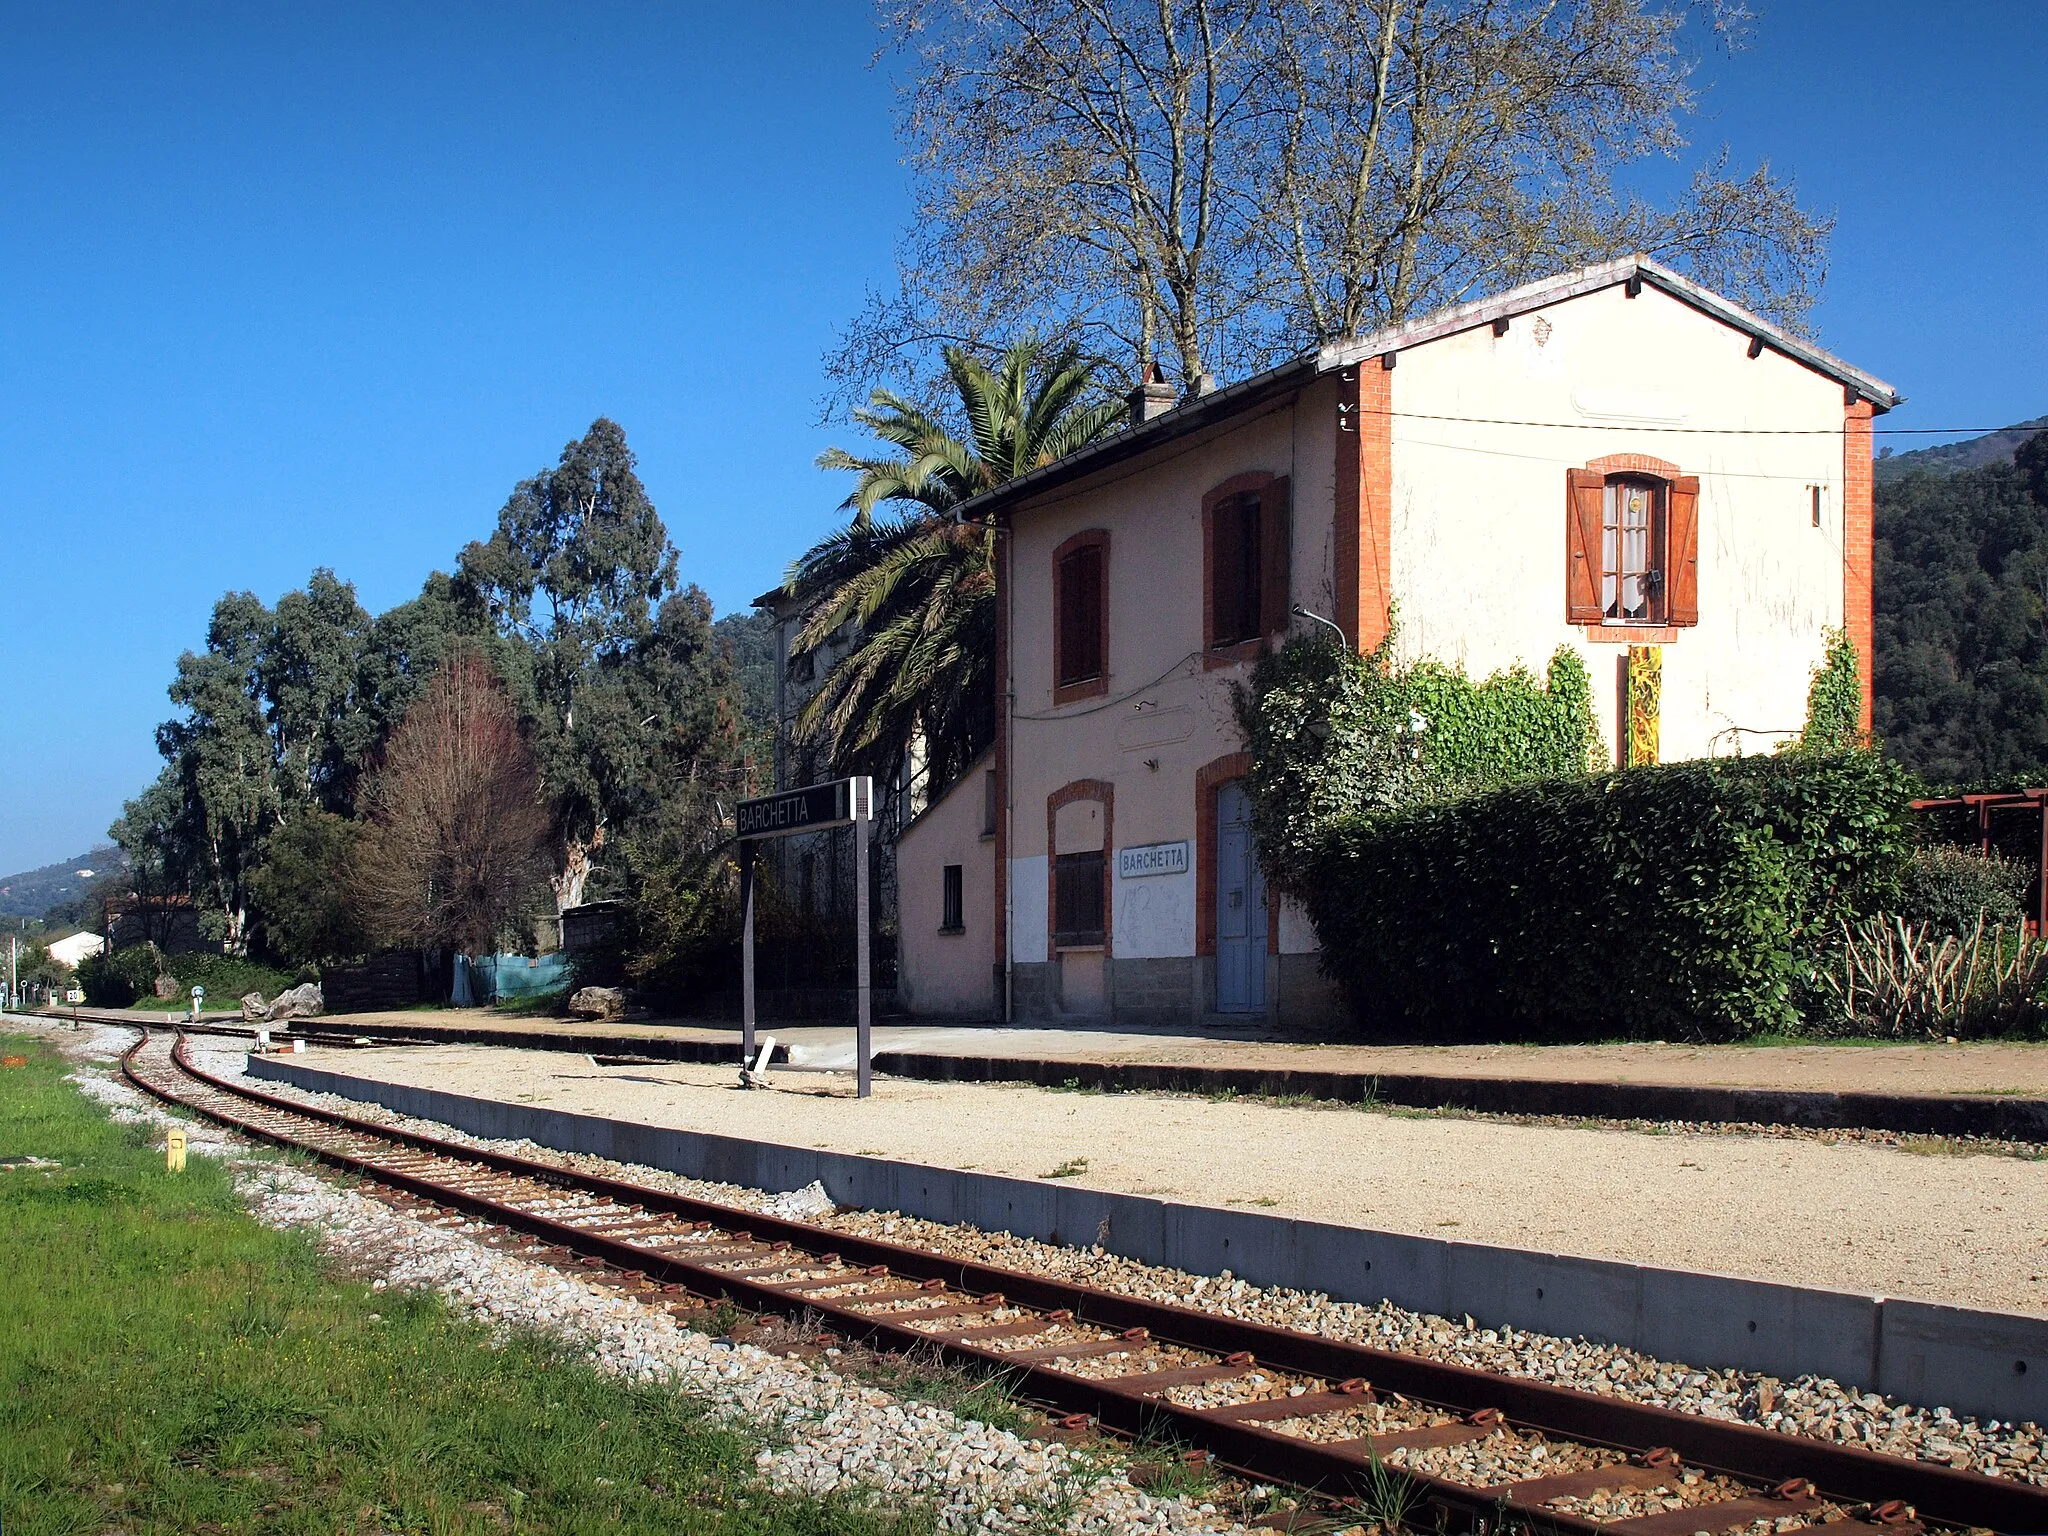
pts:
[810, 809]
[1152, 859]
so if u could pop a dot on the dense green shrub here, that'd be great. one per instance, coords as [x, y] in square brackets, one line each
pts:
[1334, 735]
[302, 889]
[1659, 901]
[103, 984]
[123, 977]
[1953, 889]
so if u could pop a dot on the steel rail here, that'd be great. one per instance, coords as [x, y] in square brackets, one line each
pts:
[775, 1246]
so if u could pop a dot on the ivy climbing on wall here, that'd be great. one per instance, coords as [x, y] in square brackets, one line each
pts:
[1834, 700]
[1333, 735]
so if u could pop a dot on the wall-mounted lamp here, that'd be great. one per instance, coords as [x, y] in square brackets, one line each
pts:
[1330, 624]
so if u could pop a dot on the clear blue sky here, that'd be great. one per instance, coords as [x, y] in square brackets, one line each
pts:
[290, 286]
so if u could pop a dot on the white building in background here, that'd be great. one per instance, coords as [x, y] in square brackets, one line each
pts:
[77, 947]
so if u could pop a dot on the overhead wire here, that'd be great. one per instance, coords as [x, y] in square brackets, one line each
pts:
[1637, 426]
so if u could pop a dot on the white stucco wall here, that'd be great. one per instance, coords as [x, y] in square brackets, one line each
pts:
[1027, 908]
[1479, 509]
[1155, 915]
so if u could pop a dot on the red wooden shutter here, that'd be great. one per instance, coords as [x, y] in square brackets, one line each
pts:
[1682, 562]
[1076, 618]
[1584, 492]
[1274, 529]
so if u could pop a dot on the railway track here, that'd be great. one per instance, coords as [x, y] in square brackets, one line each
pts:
[1280, 1406]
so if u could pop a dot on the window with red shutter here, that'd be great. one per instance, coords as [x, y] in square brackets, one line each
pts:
[1631, 549]
[1245, 531]
[1077, 909]
[1682, 562]
[1584, 491]
[1080, 635]
[1235, 587]
[1633, 526]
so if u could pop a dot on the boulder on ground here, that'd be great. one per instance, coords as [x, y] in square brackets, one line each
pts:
[254, 1009]
[598, 1003]
[301, 1002]
[165, 988]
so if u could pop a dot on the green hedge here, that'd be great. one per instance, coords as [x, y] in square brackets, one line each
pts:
[1664, 902]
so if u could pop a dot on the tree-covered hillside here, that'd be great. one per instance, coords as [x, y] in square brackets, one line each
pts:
[1975, 453]
[33, 892]
[1962, 618]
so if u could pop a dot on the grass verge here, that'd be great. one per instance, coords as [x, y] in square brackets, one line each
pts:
[169, 1365]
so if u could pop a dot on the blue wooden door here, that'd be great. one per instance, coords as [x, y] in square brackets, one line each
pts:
[1240, 907]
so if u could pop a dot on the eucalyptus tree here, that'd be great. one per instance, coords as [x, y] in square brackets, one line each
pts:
[611, 655]
[918, 584]
[309, 676]
[221, 755]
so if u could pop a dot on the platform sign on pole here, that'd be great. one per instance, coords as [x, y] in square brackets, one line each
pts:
[814, 808]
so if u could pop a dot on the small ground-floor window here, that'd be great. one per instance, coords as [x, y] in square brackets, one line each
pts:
[952, 916]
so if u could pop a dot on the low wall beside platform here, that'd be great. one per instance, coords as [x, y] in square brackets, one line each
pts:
[1992, 1364]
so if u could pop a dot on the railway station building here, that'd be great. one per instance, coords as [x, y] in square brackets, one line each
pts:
[1615, 457]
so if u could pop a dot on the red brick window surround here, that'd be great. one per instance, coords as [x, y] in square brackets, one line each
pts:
[1077, 885]
[1080, 634]
[1245, 527]
[1632, 537]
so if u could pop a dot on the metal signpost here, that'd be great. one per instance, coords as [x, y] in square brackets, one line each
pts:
[843, 802]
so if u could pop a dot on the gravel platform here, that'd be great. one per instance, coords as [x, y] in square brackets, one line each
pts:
[1995, 1067]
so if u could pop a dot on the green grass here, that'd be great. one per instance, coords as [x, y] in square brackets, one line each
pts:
[167, 1365]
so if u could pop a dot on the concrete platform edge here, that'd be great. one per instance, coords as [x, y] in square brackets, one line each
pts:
[1991, 1364]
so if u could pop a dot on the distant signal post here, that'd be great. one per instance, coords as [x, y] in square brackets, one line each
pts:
[814, 808]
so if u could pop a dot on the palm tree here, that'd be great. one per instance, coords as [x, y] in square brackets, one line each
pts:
[919, 583]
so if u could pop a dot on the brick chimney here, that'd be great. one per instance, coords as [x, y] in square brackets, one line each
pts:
[1152, 396]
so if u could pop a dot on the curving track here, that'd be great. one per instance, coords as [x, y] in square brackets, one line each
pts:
[1281, 1406]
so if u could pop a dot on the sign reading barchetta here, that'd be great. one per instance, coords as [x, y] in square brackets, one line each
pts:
[1152, 859]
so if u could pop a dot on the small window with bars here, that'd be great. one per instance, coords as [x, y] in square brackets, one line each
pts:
[952, 911]
[1077, 881]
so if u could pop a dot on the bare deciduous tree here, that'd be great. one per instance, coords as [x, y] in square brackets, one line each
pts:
[457, 836]
[1217, 183]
